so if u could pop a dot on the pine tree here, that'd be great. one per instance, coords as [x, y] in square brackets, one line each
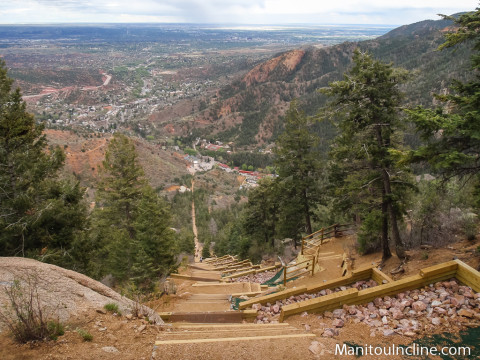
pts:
[37, 210]
[120, 188]
[262, 211]
[297, 163]
[451, 134]
[152, 229]
[131, 222]
[366, 104]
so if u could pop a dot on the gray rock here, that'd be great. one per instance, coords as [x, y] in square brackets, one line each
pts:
[328, 333]
[338, 323]
[110, 349]
[383, 312]
[316, 348]
[440, 310]
[419, 306]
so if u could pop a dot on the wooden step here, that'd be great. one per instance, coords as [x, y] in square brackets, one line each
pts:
[226, 325]
[187, 334]
[209, 297]
[330, 257]
[218, 317]
[193, 278]
[256, 287]
[233, 339]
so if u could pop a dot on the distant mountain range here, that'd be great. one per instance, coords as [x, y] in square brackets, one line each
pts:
[249, 111]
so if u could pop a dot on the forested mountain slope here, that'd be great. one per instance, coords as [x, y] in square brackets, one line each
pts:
[249, 111]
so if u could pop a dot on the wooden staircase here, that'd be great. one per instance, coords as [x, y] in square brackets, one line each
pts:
[202, 326]
[231, 341]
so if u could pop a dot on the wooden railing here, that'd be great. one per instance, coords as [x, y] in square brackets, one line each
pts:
[295, 270]
[316, 239]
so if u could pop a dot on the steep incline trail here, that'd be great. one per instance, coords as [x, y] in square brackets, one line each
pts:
[198, 245]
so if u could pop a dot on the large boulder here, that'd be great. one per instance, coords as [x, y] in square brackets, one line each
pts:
[62, 293]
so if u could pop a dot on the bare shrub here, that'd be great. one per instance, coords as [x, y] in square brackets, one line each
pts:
[24, 315]
[139, 310]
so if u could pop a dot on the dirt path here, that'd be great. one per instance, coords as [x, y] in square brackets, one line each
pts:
[198, 245]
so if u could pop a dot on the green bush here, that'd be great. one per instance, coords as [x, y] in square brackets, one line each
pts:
[470, 227]
[206, 250]
[113, 308]
[369, 236]
[190, 151]
[86, 336]
[55, 329]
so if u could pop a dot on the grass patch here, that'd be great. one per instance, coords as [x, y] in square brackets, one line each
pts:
[86, 336]
[113, 308]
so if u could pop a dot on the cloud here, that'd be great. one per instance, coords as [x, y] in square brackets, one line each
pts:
[228, 11]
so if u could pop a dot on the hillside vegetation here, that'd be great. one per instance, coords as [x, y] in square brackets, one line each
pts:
[250, 110]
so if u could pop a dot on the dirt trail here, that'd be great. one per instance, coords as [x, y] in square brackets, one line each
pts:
[198, 245]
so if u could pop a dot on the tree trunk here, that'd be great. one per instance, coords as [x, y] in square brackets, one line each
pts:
[385, 246]
[308, 224]
[399, 247]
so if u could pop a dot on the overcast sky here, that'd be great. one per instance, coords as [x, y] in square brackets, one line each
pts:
[229, 11]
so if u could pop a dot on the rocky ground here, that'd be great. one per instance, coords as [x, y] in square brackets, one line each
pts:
[444, 304]
[113, 337]
[259, 278]
[270, 313]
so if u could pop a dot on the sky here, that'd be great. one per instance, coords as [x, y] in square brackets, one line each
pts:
[229, 11]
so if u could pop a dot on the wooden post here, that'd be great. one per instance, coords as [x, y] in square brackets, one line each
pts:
[284, 276]
[303, 241]
[313, 265]
[321, 239]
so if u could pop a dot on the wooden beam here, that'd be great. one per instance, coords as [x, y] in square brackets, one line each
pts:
[249, 294]
[250, 330]
[305, 271]
[231, 326]
[273, 297]
[330, 257]
[249, 314]
[352, 296]
[468, 275]
[379, 276]
[235, 339]
[192, 278]
[439, 269]
[240, 274]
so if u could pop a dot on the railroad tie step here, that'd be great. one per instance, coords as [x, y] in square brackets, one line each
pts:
[233, 339]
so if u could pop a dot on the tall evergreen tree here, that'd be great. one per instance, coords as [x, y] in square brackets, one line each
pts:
[297, 162]
[131, 223]
[262, 211]
[451, 134]
[121, 185]
[37, 210]
[366, 104]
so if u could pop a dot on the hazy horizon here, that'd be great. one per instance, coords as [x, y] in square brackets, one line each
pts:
[232, 12]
